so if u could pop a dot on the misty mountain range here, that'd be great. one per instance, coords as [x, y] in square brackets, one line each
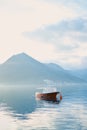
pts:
[81, 73]
[22, 68]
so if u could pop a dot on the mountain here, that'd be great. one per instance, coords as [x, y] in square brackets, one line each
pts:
[81, 73]
[55, 67]
[22, 68]
[65, 74]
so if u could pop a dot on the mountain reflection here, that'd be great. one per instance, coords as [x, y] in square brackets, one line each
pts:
[20, 110]
[40, 118]
[46, 116]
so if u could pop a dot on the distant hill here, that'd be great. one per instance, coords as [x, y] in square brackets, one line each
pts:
[81, 73]
[65, 74]
[22, 68]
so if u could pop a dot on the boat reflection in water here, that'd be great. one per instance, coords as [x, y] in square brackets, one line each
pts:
[49, 94]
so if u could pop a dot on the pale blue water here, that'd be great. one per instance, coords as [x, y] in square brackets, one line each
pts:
[20, 111]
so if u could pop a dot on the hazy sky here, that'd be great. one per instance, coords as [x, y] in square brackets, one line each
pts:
[48, 30]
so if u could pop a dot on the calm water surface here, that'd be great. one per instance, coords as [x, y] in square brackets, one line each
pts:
[20, 111]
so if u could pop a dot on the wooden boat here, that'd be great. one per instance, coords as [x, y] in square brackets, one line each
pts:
[49, 96]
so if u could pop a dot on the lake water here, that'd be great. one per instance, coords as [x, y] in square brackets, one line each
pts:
[19, 110]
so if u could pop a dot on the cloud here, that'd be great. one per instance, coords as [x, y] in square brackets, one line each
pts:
[76, 4]
[51, 27]
[84, 62]
[66, 35]
[69, 38]
[79, 2]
